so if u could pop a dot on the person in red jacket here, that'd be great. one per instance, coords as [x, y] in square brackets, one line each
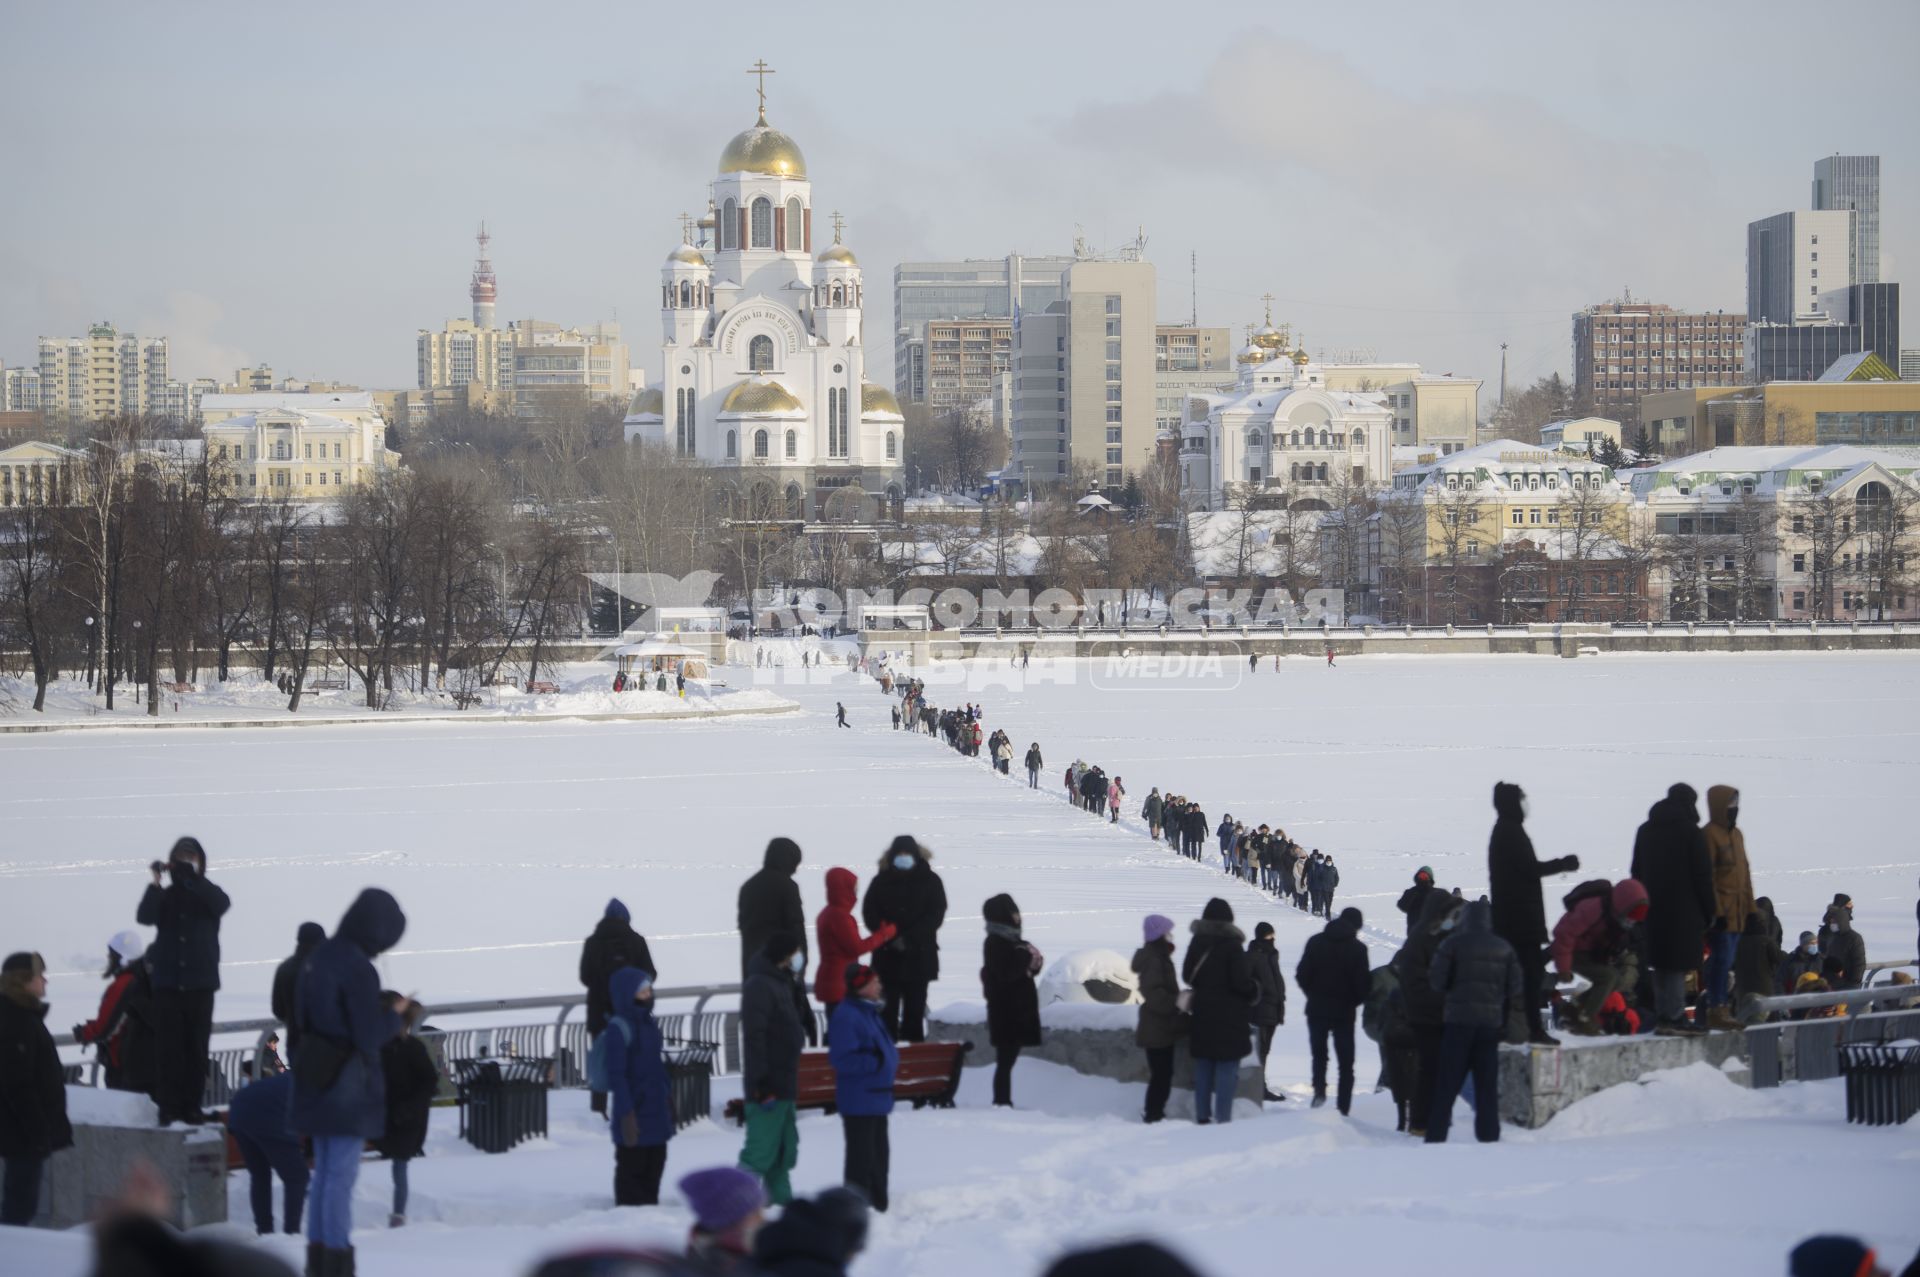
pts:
[122, 1031]
[1594, 940]
[839, 937]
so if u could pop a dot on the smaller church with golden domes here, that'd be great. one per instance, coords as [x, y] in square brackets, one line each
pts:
[1280, 435]
[763, 368]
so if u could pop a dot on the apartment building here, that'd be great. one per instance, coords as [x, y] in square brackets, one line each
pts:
[963, 359]
[1624, 351]
[103, 374]
[975, 288]
[1868, 413]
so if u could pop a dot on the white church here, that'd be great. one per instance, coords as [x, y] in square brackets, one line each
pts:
[1280, 434]
[762, 363]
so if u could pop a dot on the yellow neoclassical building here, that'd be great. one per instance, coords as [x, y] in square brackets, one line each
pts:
[1503, 491]
[300, 447]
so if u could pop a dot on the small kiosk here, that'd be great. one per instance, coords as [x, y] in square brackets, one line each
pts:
[659, 664]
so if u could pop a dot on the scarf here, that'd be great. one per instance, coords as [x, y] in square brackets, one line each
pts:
[1004, 931]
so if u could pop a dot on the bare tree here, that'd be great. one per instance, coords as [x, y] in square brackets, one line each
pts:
[308, 597]
[1465, 540]
[35, 608]
[1885, 518]
[378, 524]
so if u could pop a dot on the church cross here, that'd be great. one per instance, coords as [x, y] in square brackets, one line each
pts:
[686, 228]
[1268, 299]
[762, 70]
[838, 223]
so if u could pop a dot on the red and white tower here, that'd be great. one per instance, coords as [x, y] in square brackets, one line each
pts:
[482, 290]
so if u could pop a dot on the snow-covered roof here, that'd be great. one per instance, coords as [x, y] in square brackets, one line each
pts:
[308, 421]
[1768, 468]
[296, 402]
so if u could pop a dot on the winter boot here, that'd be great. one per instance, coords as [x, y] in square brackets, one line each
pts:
[396, 1221]
[1721, 1018]
[1319, 1101]
[316, 1260]
[343, 1262]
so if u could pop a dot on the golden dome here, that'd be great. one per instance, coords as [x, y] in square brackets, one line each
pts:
[1300, 357]
[838, 252]
[687, 254]
[645, 402]
[878, 399]
[1267, 337]
[763, 149]
[1250, 355]
[758, 398]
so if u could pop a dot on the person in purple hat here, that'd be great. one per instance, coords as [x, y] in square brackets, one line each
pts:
[1159, 1026]
[728, 1208]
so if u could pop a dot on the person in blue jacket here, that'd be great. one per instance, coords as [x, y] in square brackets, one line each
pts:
[339, 1085]
[639, 1093]
[865, 1062]
[257, 1120]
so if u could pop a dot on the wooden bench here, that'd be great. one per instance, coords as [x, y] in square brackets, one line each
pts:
[929, 1074]
[542, 688]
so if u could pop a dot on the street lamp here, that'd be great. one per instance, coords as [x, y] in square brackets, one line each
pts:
[136, 661]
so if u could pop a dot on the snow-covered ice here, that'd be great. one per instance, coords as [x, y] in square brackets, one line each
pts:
[503, 842]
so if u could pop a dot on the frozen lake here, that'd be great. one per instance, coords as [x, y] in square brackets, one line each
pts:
[503, 841]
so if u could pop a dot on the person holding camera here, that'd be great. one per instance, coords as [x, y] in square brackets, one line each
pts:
[183, 964]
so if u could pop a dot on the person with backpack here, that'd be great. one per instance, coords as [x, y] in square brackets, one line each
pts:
[1333, 974]
[1384, 1021]
[838, 936]
[1161, 1024]
[1270, 1004]
[1220, 977]
[865, 1063]
[628, 1062]
[772, 1005]
[339, 1086]
[613, 945]
[1008, 965]
[1479, 975]
[121, 1032]
[412, 1081]
[1594, 940]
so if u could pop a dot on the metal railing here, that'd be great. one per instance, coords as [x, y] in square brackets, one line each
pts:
[563, 1039]
[1809, 1050]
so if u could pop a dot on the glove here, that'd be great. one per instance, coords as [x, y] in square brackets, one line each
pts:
[766, 1103]
[630, 1129]
[80, 1034]
[886, 932]
[1569, 864]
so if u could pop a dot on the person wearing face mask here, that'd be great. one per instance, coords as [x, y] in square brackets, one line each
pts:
[909, 894]
[1804, 959]
[771, 1040]
[1008, 965]
[639, 1092]
[1519, 913]
[1733, 899]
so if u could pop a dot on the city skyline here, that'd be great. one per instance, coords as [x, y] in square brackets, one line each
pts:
[1412, 219]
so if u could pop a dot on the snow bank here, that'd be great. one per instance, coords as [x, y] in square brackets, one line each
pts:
[1090, 975]
[97, 1106]
[1672, 1097]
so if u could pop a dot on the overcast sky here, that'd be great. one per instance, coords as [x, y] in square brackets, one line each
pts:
[1418, 181]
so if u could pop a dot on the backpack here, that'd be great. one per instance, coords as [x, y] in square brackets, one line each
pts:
[1586, 891]
[598, 1078]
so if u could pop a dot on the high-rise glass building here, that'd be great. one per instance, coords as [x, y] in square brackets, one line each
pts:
[1852, 183]
[989, 288]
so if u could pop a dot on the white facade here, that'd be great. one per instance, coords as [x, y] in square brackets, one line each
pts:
[1579, 434]
[299, 447]
[1280, 430]
[763, 368]
[1792, 258]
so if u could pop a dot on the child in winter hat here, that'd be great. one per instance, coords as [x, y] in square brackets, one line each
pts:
[1156, 927]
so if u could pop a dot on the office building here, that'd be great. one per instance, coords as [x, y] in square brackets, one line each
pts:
[1580, 434]
[1183, 348]
[1436, 411]
[554, 365]
[1859, 318]
[1851, 183]
[1792, 258]
[976, 288]
[1910, 364]
[1625, 350]
[1083, 376]
[19, 390]
[1865, 412]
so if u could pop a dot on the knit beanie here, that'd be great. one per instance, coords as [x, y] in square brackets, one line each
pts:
[1263, 931]
[616, 909]
[1156, 927]
[128, 945]
[1830, 1255]
[23, 963]
[721, 1197]
[310, 934]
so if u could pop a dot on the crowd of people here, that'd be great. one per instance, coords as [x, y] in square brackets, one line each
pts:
[1682, 946]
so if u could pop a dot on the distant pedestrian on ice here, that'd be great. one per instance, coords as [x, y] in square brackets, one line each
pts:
[1034, 764]
[1329, 655]
[840, 713]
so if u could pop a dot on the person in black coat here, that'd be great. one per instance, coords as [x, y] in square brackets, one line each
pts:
[286, 978]
[614, 944]
[412, 1081]
[1335, 978]
[770, 906]
[1478, 975]
[771, 1040]
[1270, 1007]
[1670, 860]
[1414, 898]
[1425, 1005]
[1519, 914]
[909, 894]
[184, 961]
[1220, 975]
[1008, 965]
[33, 1088]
